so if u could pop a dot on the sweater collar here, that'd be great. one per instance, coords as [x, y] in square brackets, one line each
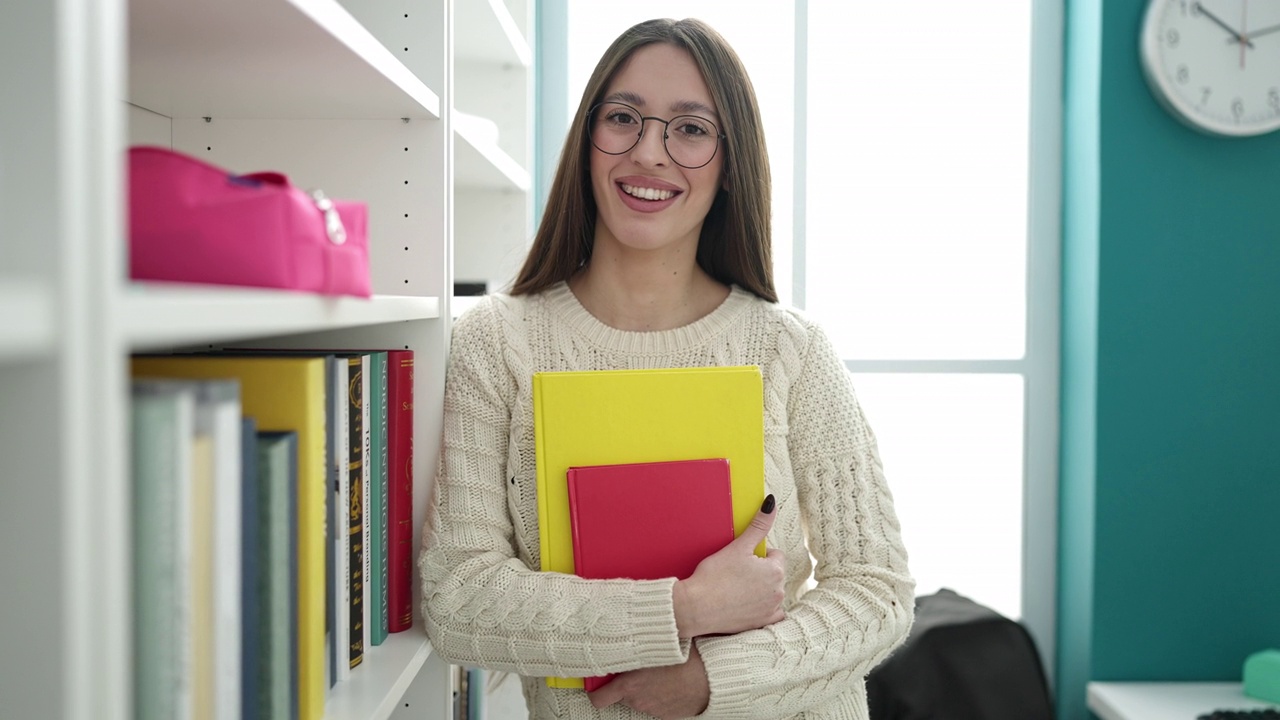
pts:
[565, 308]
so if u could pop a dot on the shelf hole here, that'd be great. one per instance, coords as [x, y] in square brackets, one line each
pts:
[406, 247]
[406, 149]
[406, 214]
[406, 182]
[209, 147]
[406, 282]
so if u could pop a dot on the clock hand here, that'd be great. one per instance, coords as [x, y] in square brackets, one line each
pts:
[1235, 35]
[1256, 33]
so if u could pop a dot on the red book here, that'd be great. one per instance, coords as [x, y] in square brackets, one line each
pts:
[400, 492]
[646, 521]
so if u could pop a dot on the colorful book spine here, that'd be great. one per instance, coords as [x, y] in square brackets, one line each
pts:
[366, 465]
[378, 500]
[400, 494]
[355, 513]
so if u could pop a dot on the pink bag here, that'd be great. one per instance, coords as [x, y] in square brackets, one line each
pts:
[192, 222]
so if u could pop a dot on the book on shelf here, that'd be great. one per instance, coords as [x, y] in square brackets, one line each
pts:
[395, 489]
[216, 552]
[252, 667]
[366, 489]
[378, 500]
[162, 430]
[283, 394]
[614, 417]
[338, 600]
[352, 529]
[400, 490]
[277, 483]
[647, 521]
[202, 615]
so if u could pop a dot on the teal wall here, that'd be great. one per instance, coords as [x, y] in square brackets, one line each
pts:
[1170, 479]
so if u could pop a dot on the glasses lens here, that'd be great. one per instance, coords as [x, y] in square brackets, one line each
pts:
[692, 140]
[615, 128]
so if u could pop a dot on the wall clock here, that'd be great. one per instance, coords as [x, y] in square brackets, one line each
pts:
[1215, 64]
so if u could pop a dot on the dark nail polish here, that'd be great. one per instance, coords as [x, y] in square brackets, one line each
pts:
[766, 507]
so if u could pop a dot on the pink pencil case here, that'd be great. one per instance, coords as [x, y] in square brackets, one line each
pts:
[192, 222]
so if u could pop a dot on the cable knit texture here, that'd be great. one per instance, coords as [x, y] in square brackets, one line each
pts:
[486, 605]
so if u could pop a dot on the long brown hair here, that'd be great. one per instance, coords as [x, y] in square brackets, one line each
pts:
[734, 247]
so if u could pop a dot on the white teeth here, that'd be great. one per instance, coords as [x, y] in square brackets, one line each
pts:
[647, 193]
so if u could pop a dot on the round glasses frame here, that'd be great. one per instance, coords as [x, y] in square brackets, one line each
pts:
[640, 133]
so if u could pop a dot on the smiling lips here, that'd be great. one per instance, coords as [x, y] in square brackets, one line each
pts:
[647, 193]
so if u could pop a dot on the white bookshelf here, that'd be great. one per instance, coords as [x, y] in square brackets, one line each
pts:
[163, 315]
[352, 96]
[28, 327]
[492, 119]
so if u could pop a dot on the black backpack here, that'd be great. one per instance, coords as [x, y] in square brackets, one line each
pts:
[961, 661]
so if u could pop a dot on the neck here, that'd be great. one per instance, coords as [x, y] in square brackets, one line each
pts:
[645, 291]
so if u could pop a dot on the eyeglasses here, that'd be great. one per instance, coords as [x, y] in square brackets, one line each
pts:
[615, 128]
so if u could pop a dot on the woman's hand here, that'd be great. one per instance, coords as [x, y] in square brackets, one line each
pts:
[668, 692]
[733, 590]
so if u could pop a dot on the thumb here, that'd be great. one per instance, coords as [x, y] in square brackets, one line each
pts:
[759, 526]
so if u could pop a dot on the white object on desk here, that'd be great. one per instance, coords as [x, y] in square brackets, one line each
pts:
[1167, 700]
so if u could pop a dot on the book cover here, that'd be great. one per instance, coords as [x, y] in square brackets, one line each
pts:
[649, 520]
[400, 494]
[277, 483]
[635, 416]
[646, 521]
[284, 394]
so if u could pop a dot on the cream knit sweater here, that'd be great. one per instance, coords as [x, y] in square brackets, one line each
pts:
[487, 605]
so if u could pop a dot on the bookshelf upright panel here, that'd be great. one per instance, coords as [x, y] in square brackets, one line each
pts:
[352, 96]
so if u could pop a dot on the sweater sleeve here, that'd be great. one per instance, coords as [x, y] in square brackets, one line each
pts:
[863, 604]
[482, 604]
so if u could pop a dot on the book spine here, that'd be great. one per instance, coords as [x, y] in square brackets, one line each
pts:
[341, 549]
[252, 636]
[355, 514]
[366, 466]
[378, 578]
[400, 495]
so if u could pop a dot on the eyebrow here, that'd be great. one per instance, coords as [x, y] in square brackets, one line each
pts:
[681, 107]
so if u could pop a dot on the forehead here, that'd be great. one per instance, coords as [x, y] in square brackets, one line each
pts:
[661, 77]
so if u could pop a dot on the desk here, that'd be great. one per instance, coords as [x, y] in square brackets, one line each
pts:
[1166, 700]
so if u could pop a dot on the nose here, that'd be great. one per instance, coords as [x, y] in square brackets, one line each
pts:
[651, 150]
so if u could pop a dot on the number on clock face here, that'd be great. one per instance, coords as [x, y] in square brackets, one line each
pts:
[1216, 63]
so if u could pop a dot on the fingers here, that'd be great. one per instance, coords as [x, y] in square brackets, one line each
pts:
[606, 695]
[760, 524]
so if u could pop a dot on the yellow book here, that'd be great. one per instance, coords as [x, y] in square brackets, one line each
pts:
[284, 394]
[634, 416]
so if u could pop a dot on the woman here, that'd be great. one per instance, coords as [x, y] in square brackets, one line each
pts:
[654, 252]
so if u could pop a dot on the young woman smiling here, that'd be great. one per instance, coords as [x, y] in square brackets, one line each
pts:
[654, 251]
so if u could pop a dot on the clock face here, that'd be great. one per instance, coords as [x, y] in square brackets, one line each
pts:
[1215, 63]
